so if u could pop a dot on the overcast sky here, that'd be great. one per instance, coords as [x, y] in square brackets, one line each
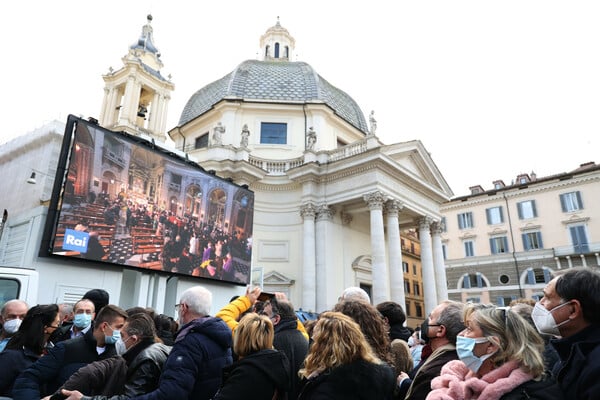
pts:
[492, 88]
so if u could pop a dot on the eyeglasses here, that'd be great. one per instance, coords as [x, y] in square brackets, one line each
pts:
[430, 325]
[178, 306]
[505, 311]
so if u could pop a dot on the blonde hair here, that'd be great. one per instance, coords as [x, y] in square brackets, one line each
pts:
[516, 339]
[253, 333]
[338, 340]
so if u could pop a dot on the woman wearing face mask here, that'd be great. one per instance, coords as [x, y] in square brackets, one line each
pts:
[27, 345]
[500, 359]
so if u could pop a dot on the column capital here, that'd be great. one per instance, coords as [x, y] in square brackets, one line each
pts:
[393, 207]
[325, 212]
[346, 218]
[308, 211]
[375, 200]
[425, 223]
[437, 227]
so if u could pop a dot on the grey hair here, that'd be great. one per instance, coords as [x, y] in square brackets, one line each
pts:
[354, 293]
[452, 318]
[198, 299]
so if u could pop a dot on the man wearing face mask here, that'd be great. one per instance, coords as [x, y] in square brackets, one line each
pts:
[570, 309]
[84, 313]
[47, 374]
[136, 372]
[11, 315]
[441, 328]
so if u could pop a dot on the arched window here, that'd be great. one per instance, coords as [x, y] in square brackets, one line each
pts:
[276, 50]
[287, 52]
[538, 275]
[267, 51]
[473, 280]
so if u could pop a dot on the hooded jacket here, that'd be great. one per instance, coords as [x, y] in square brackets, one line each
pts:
[258, 376]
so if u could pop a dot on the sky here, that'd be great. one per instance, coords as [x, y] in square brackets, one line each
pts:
[492, 89]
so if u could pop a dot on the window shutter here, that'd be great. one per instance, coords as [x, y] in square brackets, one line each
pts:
[493, 246]
[500, 301]
[479, 280]
[466, 282]
[539, 237]
[547, 275]
[501, 214]
[563, 203]
[488, 216]
[579, 202]
[533, 208]
[526, 243]
[460, 222]
[530, 277]
[505, 241]
[520, 210]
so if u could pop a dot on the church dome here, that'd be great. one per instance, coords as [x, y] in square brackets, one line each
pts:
[274, 81]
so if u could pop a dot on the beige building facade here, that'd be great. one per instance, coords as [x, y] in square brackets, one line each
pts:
[506, 242]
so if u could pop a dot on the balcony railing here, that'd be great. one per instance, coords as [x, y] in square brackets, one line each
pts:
[585, 248]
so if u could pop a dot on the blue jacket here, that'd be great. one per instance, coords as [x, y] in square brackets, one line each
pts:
[578, 371]
[48, 373]
[12, 363]
[193, 369]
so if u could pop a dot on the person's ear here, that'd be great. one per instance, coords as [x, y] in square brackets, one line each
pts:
[492, 346]
[441, 331]
[575, 310]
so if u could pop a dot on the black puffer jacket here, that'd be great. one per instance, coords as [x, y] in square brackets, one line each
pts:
[545, 389]
[360, 380]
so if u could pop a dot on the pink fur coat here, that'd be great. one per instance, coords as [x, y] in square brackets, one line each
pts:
[457, 382]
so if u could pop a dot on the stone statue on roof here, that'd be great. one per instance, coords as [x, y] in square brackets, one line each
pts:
[218, 133]
[245, 135]
[311, 138]
[372, 122]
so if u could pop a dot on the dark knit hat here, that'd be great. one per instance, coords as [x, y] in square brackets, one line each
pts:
[97, 296]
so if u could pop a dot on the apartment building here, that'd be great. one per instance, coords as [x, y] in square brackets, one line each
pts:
[506, 242]
[413, 278]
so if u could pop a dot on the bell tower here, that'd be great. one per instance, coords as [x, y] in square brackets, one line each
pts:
[136, 96]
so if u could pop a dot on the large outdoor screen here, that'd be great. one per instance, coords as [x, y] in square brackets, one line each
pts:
[124, 201]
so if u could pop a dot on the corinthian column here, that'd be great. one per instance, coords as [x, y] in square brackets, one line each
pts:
[324, 255]
[309, 272]
[392, 208]
[439, 267]
[375, 202]
[429, 292]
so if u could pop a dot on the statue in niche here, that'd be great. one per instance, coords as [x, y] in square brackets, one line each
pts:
[245, 135]
[218, 133]
[311, 138]
[372, 122]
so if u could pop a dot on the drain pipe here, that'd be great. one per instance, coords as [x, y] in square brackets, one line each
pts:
[512, 239]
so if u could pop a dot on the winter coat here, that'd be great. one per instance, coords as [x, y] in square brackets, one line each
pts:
[12, 363]
[397, 331]
[578, 371]
[289, 340]
[62, 361]
[545, 389]
[193, 369]
[257, 376]
[420, 386]
[456, 381]
[360, 380]
[135, 373]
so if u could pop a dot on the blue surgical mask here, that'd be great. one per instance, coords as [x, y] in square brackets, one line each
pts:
[82, 320]
[464, 349]
[116, 335]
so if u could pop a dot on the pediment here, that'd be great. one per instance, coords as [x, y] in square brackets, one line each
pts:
[415, 160]
[276, 278]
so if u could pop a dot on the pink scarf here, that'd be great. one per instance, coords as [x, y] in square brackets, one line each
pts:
[457, 382]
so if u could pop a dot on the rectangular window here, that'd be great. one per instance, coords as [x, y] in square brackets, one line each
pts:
[408, 309]
[526, 209]
[405, 267]
[494, 215]
[417, 289]
[499, 245]
[444, 252]
[532, 241]
[571, 201]
[415, 269]
[419, 310]
[465, 220]
[469, 248]
[579, 239]
[273, 133]
[407, 287]
[201, 141]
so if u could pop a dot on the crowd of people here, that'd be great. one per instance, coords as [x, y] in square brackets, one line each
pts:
[255, 347]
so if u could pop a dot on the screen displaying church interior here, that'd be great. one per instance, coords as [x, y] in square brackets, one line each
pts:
[127, 204]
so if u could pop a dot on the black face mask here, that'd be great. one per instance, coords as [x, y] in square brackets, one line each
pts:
[424, 329]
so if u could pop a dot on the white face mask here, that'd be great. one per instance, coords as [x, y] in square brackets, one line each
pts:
[12, 326]
[544, 320]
